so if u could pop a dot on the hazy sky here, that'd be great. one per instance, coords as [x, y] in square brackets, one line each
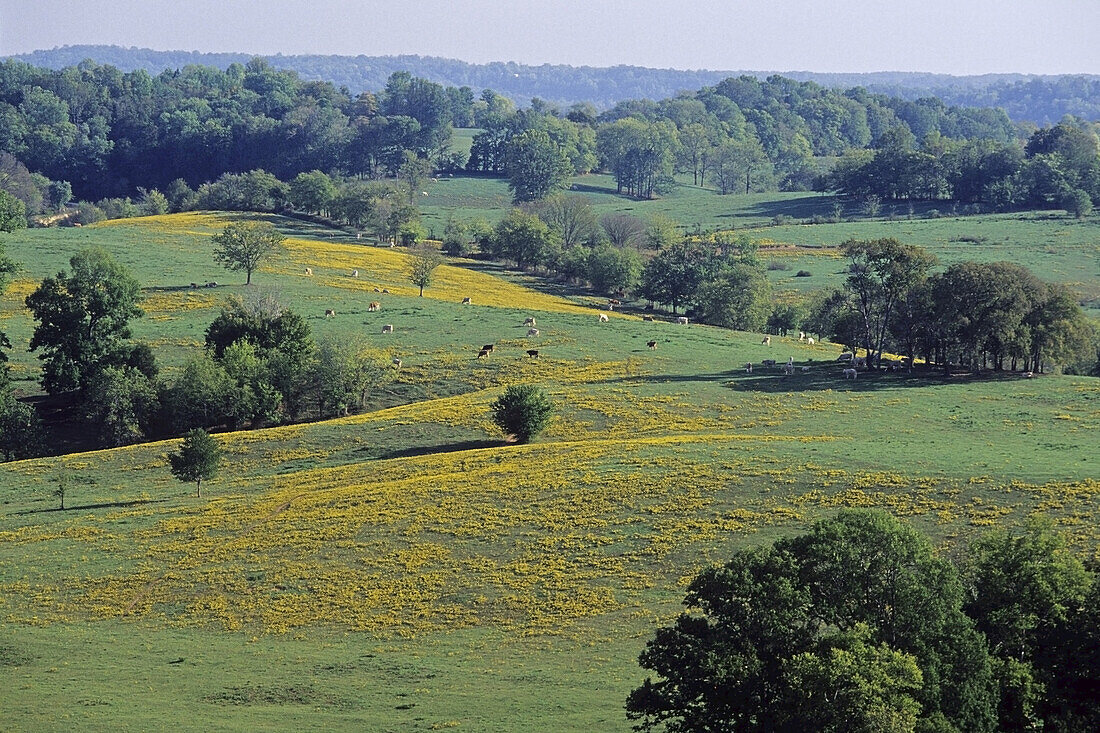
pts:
[947, 36]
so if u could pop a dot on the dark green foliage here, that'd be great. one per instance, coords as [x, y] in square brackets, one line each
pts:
[21, 433]
[738, 297]
[523, 411]
[764, 637]
[611, 270]
[535, 166]
[198, 459]
[83, 320]
[122, 404]
[263, 322]
[524, 238]
[425, 259]
[13, 214]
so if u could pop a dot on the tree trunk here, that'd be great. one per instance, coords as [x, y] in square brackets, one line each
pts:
[198, 488]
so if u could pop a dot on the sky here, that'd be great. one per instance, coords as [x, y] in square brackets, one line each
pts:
[943, 36]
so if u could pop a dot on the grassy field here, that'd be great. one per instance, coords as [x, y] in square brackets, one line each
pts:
[405, 569]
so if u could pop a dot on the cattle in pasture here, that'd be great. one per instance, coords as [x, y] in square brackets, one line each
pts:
[651, 344]
[768, 362]
[850, 373]
[748, 367]
[374, 306]
[532, 332]
[533, 353]
[211, 284]
[682, 320]
[487, 347]
[483, 354]
[647, 318]
[529, 321]
[846, 356]
[614, 301]
[861, 361]
[388, 328]
[355, 273]
[329, 312]
[397, 362]
[810, 340]
[603, 318]
[801, 336]
[805, 369]
[194, 286]
[385, 291]
[377, 290]
[467, 301]
[309, 270]
[767, 341]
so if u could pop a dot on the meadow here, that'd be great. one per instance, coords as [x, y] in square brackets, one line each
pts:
[405, 568]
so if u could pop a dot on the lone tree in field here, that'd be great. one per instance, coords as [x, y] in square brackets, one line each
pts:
[244, 244]
[523, 411]
[199, 458]
[424, 261]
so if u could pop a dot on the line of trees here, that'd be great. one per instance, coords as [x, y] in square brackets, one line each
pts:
[108, 133]
[859, 624]
[972, 314]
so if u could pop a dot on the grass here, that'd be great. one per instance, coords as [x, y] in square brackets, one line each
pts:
[405, 569]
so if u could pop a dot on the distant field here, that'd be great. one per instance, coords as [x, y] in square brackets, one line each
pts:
[404, 569]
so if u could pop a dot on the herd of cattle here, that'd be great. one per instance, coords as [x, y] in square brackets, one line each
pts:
[849, 372]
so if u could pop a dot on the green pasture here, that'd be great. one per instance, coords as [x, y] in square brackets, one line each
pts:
[405, 569]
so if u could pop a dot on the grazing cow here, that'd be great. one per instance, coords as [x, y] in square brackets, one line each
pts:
[483, 353]
[529, 321]
[767, 341]
[309, 270]
[423, 193]
[377, 290]
[355, 273]
[651, 344]
[1029, 375]
[374, 306]
[790, 361]
[613, 301]
[329, 313]
[768, 362]
[788, 369]
[647, 318]
[532, 332]
[533, 353]
[805, 369]
[194, 286]
[467, 301]
[388, 328]
[397, 362]
[603, 318]
[850, 373]
[682, 320]
[384, 290]
[211, 284]
[610, 307]
[810, 341]
[861, 361]
[748, 367]
[801, 335]
[487, 347]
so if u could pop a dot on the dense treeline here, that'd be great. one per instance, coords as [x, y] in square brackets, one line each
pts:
[108, 132]
[860, 624]
[1042, 100]
[98, 133]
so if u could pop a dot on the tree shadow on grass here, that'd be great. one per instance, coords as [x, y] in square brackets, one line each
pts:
[102, 505]
[427, 450]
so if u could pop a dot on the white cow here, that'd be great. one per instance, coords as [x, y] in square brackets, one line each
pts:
[603, 318]
[532, 332]
[850, 373]
[682, 320]
[388, 328]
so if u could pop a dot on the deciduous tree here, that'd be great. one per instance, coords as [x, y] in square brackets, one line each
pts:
[243, 245]
[198, 459]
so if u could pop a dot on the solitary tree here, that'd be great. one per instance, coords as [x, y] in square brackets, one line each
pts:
[523, 411]
[198, 458]
[422, 266]
[244, 244]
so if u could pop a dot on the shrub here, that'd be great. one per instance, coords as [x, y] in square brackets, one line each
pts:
[523, 411]
[778, 265]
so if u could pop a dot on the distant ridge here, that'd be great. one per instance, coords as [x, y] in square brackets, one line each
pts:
[1026, 97]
